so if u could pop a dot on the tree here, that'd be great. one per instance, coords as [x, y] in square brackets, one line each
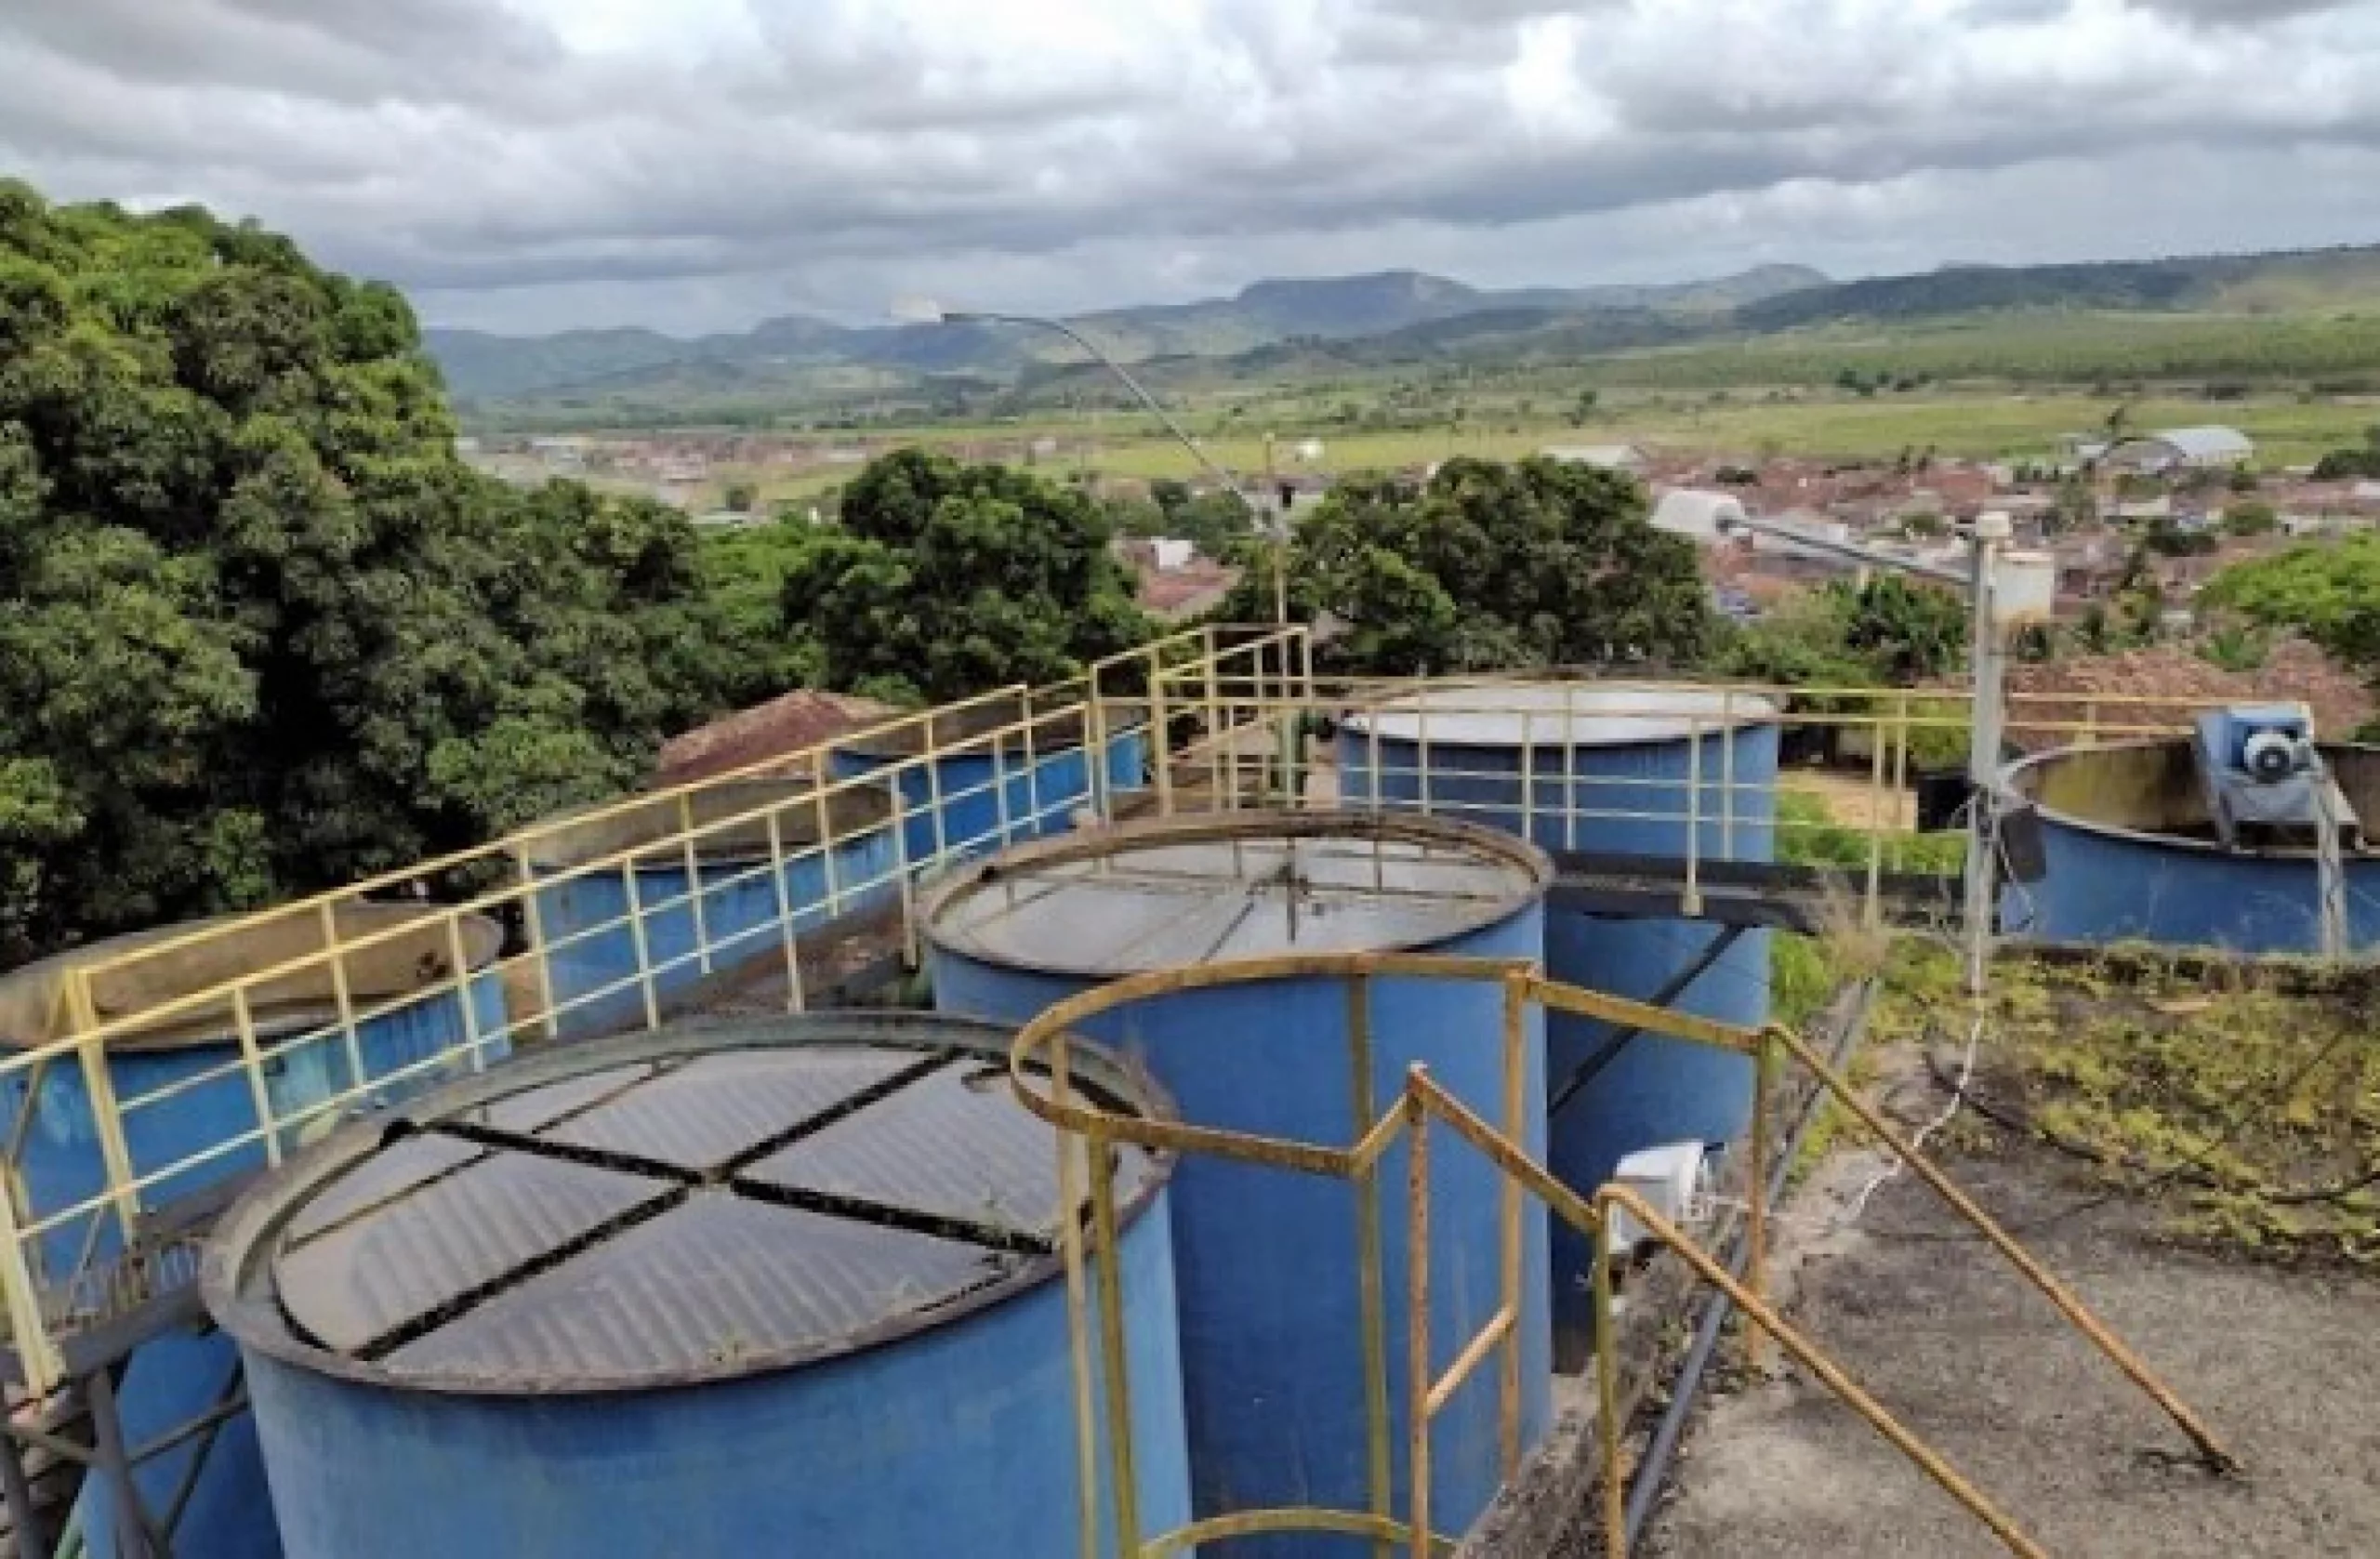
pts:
[2330, 594]
[260, 630]
[1582, 408]
[1488, 564]
[742, 497]
[1908, 633]
[943, 580]
[2250, 518]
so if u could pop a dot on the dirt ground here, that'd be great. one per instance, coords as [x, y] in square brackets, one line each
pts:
[2280, 1362]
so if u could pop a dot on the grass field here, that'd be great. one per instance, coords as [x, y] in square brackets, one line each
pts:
[2287, 430]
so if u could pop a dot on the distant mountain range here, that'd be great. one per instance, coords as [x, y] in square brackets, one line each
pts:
[479, 366]
[1389, 317]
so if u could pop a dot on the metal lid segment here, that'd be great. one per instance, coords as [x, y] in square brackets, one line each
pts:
[1161, 895]
[1559, 715]
[669, 1209]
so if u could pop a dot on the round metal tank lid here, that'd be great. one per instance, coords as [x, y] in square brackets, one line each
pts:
[1111, 902]
[696, 1204]
[1558, 715]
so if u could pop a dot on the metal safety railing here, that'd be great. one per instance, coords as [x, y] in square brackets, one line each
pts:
[1700, 773]
[1089, 1127]
[627, 913]
[155, 1071]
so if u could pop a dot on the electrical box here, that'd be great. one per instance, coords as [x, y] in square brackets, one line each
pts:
[2263, 783]
[1669, 1178]
[2024, 588]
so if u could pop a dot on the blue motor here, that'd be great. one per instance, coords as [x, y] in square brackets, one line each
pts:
[2264, 779]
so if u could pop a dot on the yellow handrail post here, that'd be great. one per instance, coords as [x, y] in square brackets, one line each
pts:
[1111, 1342]
[789, 934]
[342, 999]
[1756, 1197]
[107, 1116]
[1417, 1323]
[244, 1023]
[1371, 1303]
[694, 879]
[1607, 1323]
[532, 916]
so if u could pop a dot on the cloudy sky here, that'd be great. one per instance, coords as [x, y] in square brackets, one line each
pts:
[526, 164]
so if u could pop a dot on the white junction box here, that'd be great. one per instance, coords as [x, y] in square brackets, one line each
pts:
[1669, 1178]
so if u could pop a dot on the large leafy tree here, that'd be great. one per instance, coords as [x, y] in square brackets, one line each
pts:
[2330, 593]
[1491, 565]
[940, 580]
[260, 630]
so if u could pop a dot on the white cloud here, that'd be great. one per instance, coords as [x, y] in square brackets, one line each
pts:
[697, 163]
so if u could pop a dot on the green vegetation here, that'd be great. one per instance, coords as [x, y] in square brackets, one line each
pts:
[942, 580]
[260, 631]
[1492, 565]
[2240, 1096]
[2329, 592]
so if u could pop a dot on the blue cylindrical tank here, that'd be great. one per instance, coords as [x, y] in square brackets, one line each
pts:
[841, 853]
[784, 1287]
[1006, 783]
[1583, 769]
[2130, 854]
[1268, 1260]
[176, 1379]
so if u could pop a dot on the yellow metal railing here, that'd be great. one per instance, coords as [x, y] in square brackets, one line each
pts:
[298, 989]
[1090, 1127]
[1224, 718]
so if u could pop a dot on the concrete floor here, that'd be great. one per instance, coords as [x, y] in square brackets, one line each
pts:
[2285, 1365]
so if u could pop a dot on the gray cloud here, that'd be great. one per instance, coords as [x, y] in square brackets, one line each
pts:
[693, 163]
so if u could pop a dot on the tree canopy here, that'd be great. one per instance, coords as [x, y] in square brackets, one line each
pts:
[2330, 593]
[1536, 563]
[940, 580]
[261, 630]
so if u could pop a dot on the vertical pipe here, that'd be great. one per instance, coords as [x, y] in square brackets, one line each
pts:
[786, 931]
[1417, 1324]
[1983, 760]
[1763, 1063]
[1378, 1441]
[135, 1537]
[1111, 1343]
[1615, 1494]
[244, 1022]
[1727, 773]
[1005, 820]
[1508, 1404]
[1691, 902]
[1872, 911]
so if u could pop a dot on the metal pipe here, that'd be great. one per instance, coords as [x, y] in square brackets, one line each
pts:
[1654, 1468]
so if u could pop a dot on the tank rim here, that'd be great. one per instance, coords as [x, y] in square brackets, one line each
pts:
[1753, 709]
[2012, 778]
[483, 943]
[254, 1321]
[1384, 825]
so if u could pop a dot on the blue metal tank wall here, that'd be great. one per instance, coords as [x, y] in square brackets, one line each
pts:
[1657, 1089]
[176, 1379]
[2108, 883]
[597, 978]
[975, 790]
[960, 1440]
[1272, 1365]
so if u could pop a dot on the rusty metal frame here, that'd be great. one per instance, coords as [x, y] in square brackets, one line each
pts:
[1092, 1257]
